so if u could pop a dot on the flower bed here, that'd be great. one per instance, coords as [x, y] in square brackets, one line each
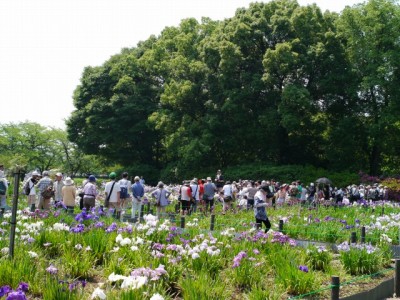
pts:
[91, 255]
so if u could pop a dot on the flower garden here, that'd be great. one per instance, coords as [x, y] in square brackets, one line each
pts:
[90, 255]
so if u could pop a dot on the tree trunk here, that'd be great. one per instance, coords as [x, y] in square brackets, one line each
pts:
[374, 161]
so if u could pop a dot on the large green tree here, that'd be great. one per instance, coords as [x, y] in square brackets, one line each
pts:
[371, 35]
[113, 103]
[277, 83]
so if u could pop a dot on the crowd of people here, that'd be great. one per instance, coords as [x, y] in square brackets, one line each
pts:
[192, 195]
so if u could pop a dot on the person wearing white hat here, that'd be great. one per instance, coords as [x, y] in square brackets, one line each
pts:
[68, 194]
[3, 192]
[30, 189]
[161, 195]
[57, 187]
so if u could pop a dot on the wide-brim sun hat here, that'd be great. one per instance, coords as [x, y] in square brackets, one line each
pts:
[35, 173]
[209, 178]
[68, 181]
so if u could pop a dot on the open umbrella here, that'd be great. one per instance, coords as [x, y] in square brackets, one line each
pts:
[323, 180]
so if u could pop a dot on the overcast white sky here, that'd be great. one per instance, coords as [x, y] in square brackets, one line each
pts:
[45, 44]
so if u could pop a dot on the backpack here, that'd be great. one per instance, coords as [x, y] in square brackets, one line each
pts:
[124, 192]
[376, 196]
[47, 193]
[3, 188]
[293, 191]
[27, 188]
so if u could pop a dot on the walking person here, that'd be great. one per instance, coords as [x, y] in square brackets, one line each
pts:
[30, 190]
[186, 195]
[251, 192]
[125, 197]
[260, 213]
[195, 194]
[161, 194]
[228, 196]
[68, 194]
[90, 193]
[112, 191]
[57, 187]
[209, 193]
[282, 194]
[45, 187]
[137, 194]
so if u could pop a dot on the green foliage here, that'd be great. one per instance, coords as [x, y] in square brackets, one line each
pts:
[362, 260]
[319, 258]
[288, 274]
[202, 286]
[288, 173]
[56, 289]
[34, 146]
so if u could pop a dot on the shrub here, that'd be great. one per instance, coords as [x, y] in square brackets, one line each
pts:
[361, 259]
[289, 173]
[394, 188]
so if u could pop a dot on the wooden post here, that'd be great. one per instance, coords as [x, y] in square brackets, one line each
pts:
[142, 212]
[212, 224]
[335, 281]
[182, 222]
[280, 225]
[353, 238]
[13, 221]
[363, 234]
[397, 278]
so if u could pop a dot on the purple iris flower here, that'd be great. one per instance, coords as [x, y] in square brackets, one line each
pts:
[99, 224]
[16, 295]
[77, 229]
[52, 270]
[23, 286]
[4, 290]
[303, 269]
[112, 227]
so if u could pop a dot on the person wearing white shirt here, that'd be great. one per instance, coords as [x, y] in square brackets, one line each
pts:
[57, 187]
[260, 213]
[125, 186]
[112, 190]
[30, 189]
[228, 196]
[195, 194]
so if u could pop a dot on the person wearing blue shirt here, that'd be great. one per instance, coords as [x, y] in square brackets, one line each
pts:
[137, 194]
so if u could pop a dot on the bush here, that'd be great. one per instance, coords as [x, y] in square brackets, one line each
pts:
[289, 173]
[394, 188]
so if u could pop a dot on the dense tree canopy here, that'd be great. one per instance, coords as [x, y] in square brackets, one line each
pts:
[278, 83]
